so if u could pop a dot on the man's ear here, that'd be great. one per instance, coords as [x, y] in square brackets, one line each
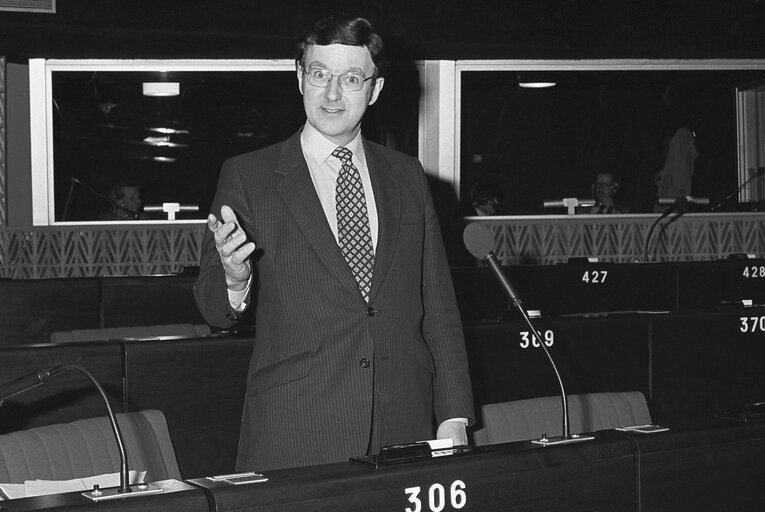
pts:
[300, 79]
[376, 89]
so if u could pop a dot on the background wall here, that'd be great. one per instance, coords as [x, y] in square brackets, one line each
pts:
[19, 184]
[428, 29]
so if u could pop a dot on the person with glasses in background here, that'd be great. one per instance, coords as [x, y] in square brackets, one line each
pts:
[334, 241]
[604, 189]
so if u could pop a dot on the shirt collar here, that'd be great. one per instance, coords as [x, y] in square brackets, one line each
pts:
[317, 147]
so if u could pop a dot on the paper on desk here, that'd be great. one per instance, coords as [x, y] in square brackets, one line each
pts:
[440, 444]
[440, 447]
[41, 487]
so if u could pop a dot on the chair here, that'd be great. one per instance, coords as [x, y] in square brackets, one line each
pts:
[87, 447]
[522, 420]
[165, 331]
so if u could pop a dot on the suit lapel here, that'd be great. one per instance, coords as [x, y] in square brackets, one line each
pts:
[388, 199]
[299, 195]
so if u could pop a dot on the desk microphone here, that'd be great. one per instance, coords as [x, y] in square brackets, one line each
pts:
[39, 377]
[677, 204]
[480, 242]
[30, 381]
[682, 201]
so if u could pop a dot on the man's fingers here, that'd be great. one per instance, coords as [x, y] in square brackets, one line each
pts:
[212, 223]
[228, 245]
[241, 254]
[227, 214]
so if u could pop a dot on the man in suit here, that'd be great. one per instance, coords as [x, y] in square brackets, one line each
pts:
[358, 345]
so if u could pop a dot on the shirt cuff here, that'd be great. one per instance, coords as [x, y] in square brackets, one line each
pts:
[237, 300]
[462, 420]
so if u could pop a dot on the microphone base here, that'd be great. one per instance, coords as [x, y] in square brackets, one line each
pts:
[558, 440]
[114, 492]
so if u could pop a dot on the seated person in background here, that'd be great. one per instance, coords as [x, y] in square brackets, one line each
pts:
[485, 200]
[604, 190]
[126, 203]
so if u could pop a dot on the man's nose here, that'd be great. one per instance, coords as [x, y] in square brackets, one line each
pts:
[334, 92]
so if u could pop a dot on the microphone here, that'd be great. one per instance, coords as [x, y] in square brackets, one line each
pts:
[682, 201]
[480, 242]
[759, 172]
[679, 204]
[73, 181]
[39, 377]
[570, 203]
[28, 382]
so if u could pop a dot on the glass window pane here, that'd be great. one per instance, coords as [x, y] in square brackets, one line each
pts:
[533, 145]
[106, 131]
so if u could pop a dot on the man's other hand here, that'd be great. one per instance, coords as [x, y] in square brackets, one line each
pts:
[454, 430]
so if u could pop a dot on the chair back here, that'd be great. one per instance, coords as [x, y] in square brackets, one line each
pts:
[87, 448]
[522, 420]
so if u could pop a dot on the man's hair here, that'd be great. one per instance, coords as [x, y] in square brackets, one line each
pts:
[117, 191]
[342, 29]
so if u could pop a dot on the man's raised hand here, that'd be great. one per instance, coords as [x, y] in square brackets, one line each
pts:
[233, 247]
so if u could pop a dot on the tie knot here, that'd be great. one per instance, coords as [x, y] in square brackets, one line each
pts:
[344, 154]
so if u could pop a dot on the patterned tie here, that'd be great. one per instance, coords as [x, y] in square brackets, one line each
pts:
[353, 233]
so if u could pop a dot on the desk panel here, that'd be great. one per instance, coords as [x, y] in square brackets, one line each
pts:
[517, 477]
[706, 285]
[151, 300]
[30, 309]
[706, 363]
[200, 386]
[66, 397]
[598, 354]
[566, 289]
[719, 467]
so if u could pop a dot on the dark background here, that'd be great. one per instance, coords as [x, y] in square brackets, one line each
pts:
[426, 29]
[583, 124]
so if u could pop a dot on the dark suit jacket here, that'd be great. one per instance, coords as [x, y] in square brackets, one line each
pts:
[325, 363]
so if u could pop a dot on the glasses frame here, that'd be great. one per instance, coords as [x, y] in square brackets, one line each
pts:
[335, 75]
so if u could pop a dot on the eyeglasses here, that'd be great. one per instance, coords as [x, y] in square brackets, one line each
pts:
[320, 77]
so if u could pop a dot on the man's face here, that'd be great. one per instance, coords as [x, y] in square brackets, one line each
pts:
[334, 112]
[604, 186]
[131, 198]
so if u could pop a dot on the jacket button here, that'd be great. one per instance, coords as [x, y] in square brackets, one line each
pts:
[371, 311]
[364, 363]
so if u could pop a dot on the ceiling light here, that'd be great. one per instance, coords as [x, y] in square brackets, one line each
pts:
[161, 88]
[536, 85]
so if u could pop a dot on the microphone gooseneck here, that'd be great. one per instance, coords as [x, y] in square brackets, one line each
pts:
[480, 242]
[677, 204]
[37, 378]
[758, 173]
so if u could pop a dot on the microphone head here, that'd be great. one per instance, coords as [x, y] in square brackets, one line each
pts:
[479, 240]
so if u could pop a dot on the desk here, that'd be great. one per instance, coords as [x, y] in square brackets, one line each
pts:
[715, 466]
[176, 497]
[199, 383]
[703, 364]
[573, 288]
[517, 476]
[718, 466]
[592, 354]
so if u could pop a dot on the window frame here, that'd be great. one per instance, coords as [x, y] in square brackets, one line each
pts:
[41, 117]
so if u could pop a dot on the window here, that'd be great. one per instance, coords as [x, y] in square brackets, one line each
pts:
[98, 131]
[537, 145]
